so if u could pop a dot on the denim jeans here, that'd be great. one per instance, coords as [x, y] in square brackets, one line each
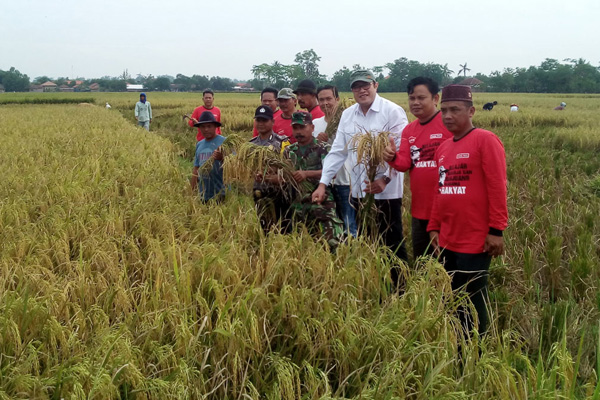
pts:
[343, 208]
[144, 124]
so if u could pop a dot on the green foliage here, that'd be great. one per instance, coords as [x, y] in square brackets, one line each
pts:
[14, 81]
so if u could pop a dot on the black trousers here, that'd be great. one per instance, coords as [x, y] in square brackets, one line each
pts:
[470, 272]
[421, 243]
[389, 226]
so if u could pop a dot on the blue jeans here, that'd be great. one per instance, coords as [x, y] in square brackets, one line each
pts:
[343, 208]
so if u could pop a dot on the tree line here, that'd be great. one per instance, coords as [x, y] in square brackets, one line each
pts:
[551, 76]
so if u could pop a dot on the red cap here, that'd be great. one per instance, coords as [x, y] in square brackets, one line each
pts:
[456, 93]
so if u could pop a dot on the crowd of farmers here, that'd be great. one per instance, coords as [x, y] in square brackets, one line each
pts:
[457, 173]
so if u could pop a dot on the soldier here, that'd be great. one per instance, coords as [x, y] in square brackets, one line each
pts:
[271, 204]
[307, 156]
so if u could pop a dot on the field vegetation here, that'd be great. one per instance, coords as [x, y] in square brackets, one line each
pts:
[116, 282]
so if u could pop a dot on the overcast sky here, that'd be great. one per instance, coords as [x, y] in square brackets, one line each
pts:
[80, 38]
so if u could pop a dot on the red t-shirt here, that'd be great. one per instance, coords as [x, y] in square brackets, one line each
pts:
[275, 114]
[316, 112]
[417, 148]
[283, 127]
[471, 192]
[196, 114]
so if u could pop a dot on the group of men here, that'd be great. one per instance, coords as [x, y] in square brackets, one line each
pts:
[457, 173]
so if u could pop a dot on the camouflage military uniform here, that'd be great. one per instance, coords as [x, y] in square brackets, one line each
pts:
[319, 218]
[271, 203]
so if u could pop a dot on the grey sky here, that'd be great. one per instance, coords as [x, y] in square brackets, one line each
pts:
[91, 39]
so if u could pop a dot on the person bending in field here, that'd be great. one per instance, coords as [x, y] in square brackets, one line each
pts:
[286, 99]
[208, 97]
[210, 182]
[307, 98]
[306, 155]
[489, 106]
[561, 107]
[420, 139]
[268, 97]
[143, 112]
[329, 100]
[469, 210]
[269, 198]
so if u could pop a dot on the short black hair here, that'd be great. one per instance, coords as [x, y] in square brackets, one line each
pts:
[269, 90]
[208, 91]
[432, 85]
[334, 89]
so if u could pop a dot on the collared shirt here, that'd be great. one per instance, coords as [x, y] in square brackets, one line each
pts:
[143, 111]
[342, 177]
[383, 115]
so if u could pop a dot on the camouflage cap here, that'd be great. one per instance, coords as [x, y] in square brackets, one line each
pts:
[362, 75]
[301, 118]
[286, 93]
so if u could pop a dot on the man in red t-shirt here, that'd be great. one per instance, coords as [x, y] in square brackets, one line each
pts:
[268, 97]
[208, 97]
[420, 140]
[470, 207]
[307, 98]
[283, 122]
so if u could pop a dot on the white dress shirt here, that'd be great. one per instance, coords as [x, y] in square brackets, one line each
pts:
[342, 177]
[383, 115]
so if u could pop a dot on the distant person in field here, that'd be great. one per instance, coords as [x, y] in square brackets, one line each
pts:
[306, 155]
[270, 200]
[268, 97]
[307, 98]
[208, 97]
[561, 107]
[329, 99]
[374, 114]
[514, 107]
[286, 99]
[143, 112]
[209, 183]
[420, 139]
[489, 106]
[469, 210]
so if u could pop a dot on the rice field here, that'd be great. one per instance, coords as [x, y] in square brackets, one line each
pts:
[117, 283]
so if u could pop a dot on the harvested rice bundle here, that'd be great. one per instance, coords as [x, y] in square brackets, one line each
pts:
[229, 147]
[332, 125]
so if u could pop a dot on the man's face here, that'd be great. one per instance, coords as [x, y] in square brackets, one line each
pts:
[421, 102]
[269, 99]
[457, 115]
[288, 106]
[303, 133]
[142, 98]
[264, 126]
[209, 130]
[208, 100]
[364, 93]
[327, 101]
[306, 100]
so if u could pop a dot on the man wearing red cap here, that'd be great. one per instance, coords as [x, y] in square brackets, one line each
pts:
[470, 207]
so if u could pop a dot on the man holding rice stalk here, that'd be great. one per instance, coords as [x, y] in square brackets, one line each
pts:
[306, 155]
[209, 183]
[469, 209]
[269, 199]
[420, 140]
[325, 129]
[372, 118]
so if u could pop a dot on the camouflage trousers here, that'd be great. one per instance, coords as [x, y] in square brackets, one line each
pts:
[320, 219]
[272, 209]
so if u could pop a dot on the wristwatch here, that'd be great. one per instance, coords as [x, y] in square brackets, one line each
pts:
[387, 179]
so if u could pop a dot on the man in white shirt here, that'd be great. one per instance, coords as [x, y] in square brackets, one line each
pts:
[329, 99]
[375, 114]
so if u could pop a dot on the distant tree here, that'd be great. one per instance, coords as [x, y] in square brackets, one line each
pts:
[220, 83]
[14, 81]
[41, 79]
[341, 78]
[162, 84]
[308, 60]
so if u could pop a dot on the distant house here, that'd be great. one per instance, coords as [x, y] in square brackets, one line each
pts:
[1, 89]
[176, 87]
[243, 87]
[49, 86]
[134, 88]
[36, 88]
[94, 87]
[66, 88]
